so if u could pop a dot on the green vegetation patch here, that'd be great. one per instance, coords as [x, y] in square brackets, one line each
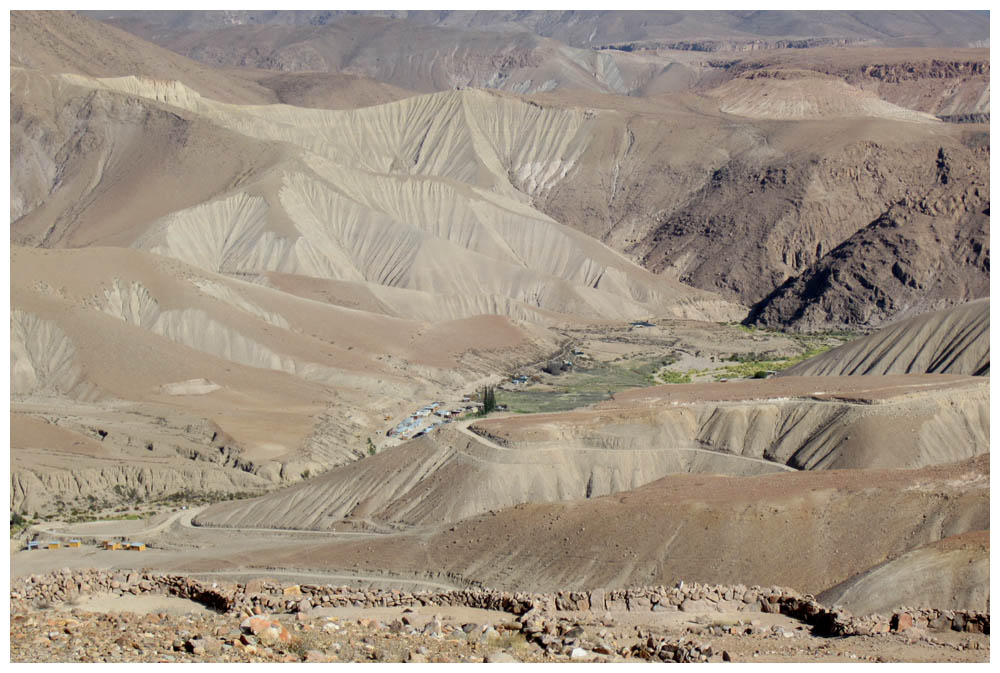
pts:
[582, 386]
[18, 523]
[671, 376]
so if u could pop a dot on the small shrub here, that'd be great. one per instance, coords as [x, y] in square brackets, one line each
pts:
[508, 640]
[304, 641]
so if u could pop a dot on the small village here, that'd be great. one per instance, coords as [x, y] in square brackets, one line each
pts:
[108, 545]
[434, 415]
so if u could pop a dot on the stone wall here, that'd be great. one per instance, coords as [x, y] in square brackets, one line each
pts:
[268, 596]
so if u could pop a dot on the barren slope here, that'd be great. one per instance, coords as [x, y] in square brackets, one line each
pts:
[950, 574]
[801, 94]
[404, 54]
[806, 530]
[951, 341]
[945, 82]
[780, 189]
[689, 29]
[738, 429]
[364, 198]
[171, 362]
[88, 166]
[59, 42]
[784, 215]
[332, 91]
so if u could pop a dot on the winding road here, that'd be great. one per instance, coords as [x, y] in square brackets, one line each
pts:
[464, 428]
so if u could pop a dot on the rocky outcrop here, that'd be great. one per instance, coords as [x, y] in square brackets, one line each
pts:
[929, 251]
[933, 69]
[753, 224]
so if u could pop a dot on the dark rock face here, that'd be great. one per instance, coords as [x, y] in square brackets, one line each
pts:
[925, 253]
[846, 239]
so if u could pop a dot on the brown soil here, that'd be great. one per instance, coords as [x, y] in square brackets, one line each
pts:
[793, 529]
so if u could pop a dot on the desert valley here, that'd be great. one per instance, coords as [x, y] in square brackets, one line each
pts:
[477, 336]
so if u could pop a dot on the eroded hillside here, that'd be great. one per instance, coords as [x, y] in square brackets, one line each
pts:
[417, 299]
[740, 429]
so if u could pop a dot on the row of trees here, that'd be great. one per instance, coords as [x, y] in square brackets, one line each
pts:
[489, 399]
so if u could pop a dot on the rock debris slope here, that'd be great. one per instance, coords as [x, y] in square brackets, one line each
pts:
[938, 244]
[951, 341]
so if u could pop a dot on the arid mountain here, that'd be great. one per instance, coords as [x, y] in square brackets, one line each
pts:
[331, 91]
[87, 165]
[410, 219]
[66, 42]
[804, 157]
[945, 82]
[405, 54]
[622, 52]
[355, 196]
[801, 190]
[699, 29]
[271, 270]
[952, 341]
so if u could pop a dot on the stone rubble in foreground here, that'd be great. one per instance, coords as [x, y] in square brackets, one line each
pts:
[424, 626]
